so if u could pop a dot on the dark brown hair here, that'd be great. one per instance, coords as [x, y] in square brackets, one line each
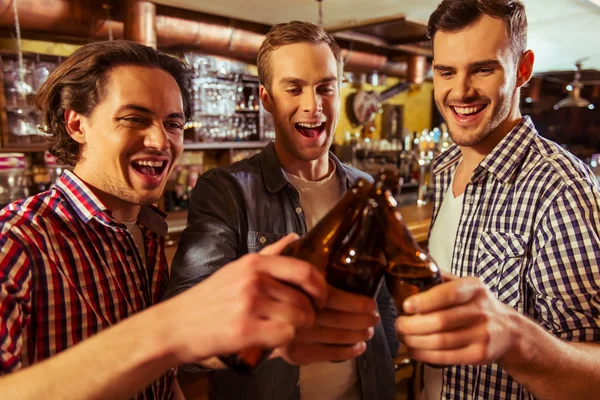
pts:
[292, 33]
[79, 83]
[455, 15]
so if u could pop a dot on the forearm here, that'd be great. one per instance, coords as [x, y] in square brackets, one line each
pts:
[116, 363]
[551, 368]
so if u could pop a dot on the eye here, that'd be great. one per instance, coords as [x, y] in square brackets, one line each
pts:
[485, 71]
[174, 126]
[446, 74]
[134, 121]
[327, 90]
[294, 91]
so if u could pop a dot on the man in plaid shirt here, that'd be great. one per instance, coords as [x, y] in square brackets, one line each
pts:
[516, 217]
[88, 255]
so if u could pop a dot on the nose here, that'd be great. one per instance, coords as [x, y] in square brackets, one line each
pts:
[464, 87]
[157, 138]
[311, 102]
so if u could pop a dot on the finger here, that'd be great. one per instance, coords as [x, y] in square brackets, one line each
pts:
[443, 296]
[334, 336]
[295, 272]
[267, 308]
[287, 294]
[277, 247]
[269, 334]
[349, 302]
[440, 321]
[471, 354]
[447, 277]
[444, 341]
[342, 320]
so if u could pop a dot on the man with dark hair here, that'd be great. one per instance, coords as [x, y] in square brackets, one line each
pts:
[88, 256]
[286, 188]
[516, 217]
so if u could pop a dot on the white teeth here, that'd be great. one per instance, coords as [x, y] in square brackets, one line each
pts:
[145, 163]
[302, 124]
[467, 110]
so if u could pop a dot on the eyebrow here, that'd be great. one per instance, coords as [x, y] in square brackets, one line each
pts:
[477, 64]
[147, 111]
[301, 82]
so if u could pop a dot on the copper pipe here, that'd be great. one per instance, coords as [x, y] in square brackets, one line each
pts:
[220, 40]
[140, 22]
[417, 69]
[87, 19]
[80, 18]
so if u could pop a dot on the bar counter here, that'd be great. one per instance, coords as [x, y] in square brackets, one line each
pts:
[417, 218]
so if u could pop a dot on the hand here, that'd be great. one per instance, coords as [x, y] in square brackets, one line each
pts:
[254, 301]
[458, 322]
[339, 332]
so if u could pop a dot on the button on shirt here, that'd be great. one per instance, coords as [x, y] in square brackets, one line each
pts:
[530, 230]
[68, 270]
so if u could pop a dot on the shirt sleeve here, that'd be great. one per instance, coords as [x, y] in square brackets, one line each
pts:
[15, 302]
[209, 241]
[565, 276]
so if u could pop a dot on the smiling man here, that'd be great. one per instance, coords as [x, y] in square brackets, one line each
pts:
[516, 217]
[81, 263]
[286, 188]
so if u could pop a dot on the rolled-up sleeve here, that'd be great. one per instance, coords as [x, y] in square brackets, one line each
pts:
[15, 302]
[565, 275]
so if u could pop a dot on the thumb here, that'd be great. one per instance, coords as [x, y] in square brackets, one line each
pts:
[278, 246]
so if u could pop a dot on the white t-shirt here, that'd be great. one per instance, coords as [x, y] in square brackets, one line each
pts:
[324, 380]
[441, 247]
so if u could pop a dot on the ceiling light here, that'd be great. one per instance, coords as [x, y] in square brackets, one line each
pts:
[574, 98]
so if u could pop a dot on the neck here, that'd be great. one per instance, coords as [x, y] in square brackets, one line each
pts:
[120, 209]
[313, 170]
[473, 155]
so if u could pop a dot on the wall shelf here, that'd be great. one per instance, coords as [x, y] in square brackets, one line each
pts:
[226, 145]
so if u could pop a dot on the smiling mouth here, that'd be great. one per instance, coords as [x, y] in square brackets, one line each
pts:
[468, 111]
[153, 169]
[310, 130]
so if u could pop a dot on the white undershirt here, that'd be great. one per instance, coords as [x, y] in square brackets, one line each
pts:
[324, 380]
[441, 247]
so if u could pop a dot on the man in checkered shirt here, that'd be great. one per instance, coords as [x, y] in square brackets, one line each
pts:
[82, 266]
[516, 217]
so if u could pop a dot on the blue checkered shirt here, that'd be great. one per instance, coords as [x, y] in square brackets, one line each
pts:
[530, 230]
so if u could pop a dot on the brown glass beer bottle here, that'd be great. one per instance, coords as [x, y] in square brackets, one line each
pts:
[315, 247]
[360, 263]
[410, 269]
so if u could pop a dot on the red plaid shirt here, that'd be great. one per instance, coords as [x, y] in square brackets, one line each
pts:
[69, 270]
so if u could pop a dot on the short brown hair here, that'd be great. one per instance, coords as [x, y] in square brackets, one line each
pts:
[292, 33]
[455, 15]
[79, 82]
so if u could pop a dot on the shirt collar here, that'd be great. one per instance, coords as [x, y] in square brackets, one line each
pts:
[88, 206]
[274, 177]
[503, 161]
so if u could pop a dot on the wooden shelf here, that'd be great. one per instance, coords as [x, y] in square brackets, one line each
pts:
[34, 148]
[226, 145]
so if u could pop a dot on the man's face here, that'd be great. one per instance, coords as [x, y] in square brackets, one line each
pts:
[475, 81]
[134, 136]
[304, 100]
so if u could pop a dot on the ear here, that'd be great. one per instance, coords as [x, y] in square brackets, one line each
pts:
[74, 125]
[525, 68]
[266, 99]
